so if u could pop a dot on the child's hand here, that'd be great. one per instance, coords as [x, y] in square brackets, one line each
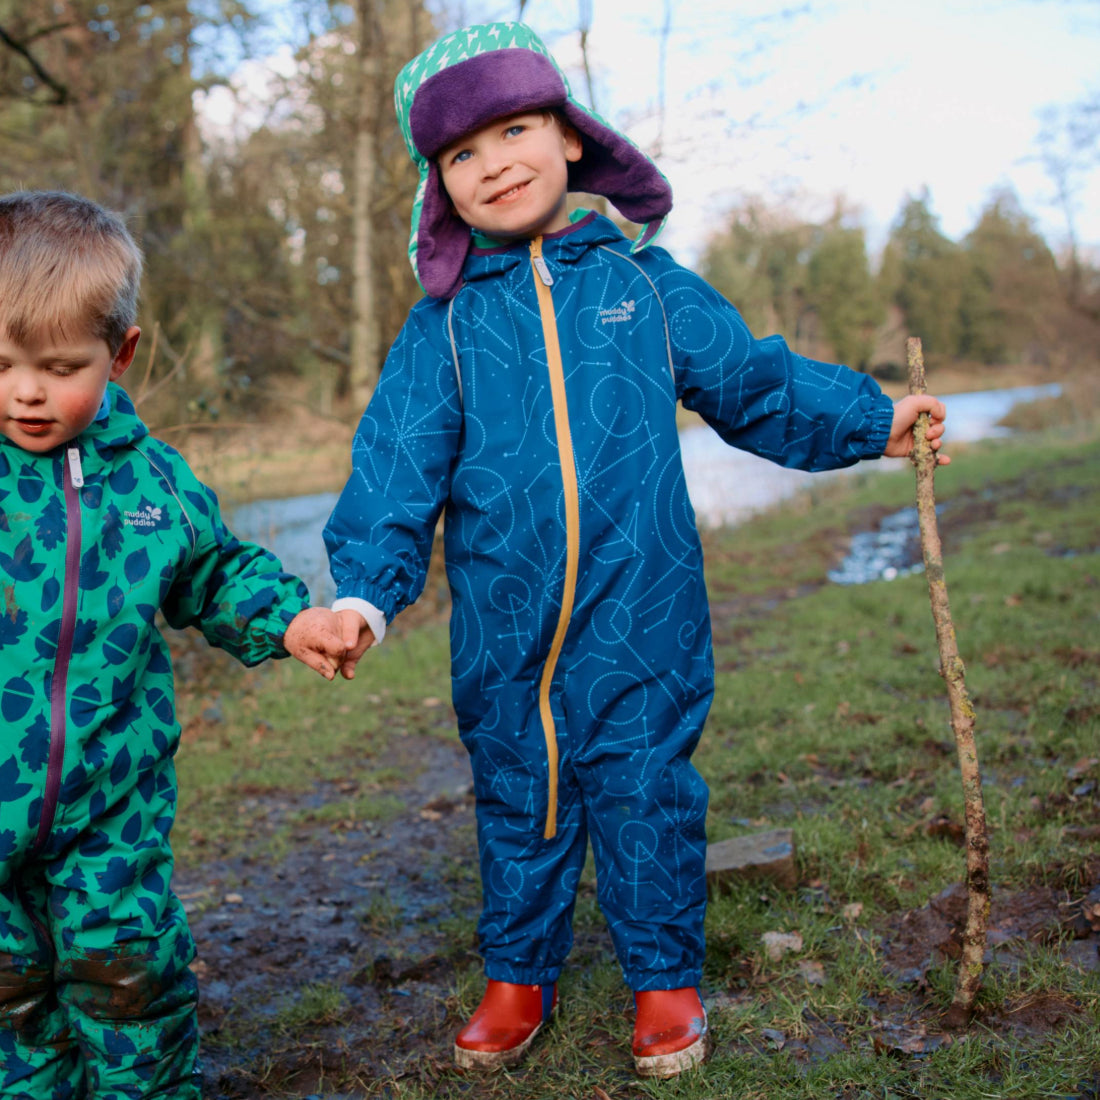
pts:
[357, 639]
[315, 638]
[906, 411]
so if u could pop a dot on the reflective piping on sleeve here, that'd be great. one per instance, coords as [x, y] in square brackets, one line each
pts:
[540, 273]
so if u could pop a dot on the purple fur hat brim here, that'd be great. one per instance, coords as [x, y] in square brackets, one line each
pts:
[472, 93]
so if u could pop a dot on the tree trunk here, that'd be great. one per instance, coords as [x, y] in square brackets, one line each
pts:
[365, 328]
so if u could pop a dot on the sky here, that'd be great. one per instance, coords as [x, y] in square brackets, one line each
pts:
[799, 103]
[808, 103]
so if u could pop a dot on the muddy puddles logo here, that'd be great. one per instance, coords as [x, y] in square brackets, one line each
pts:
[616, 314]
[150, 517]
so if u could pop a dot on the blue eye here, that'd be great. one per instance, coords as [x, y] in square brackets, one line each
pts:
[458, 158]
[518, 128]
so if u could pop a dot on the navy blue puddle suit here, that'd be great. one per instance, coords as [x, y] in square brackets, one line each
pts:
[539, 410]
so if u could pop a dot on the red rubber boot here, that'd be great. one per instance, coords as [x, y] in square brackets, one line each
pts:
[501, 1030]
[670, 1031]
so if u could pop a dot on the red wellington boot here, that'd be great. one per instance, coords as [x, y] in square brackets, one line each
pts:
[670, 1031]
[501, 1030]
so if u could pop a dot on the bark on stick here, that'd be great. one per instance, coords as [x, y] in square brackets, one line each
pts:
[962, 715]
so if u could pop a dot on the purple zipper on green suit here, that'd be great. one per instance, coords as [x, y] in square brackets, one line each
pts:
[72, 478]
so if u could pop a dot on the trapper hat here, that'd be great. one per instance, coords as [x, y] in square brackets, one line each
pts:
[485, 72]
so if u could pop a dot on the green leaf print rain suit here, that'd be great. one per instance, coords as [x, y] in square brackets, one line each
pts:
[96, 997]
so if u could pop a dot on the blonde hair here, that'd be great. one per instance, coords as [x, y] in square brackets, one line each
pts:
[66, 263]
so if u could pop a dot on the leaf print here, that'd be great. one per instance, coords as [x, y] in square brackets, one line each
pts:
[121, 690]
[84, 635]
[91, 576]
[153, 882]
[94, 844]
[162, 707]
[110, 535]
[200, 500]
[116, 601]
[9, 780]
[45, 642]
[16, 698]
[95, 753]
[85, 705]
[137, 566]
[7, 843]
[12, 628]
[120, 644]
[50, 525]
[75, 879]
[21, 565]
[76, 785]
[96, 918]
[51, 593]
[120, 769]
[34, 749]
[30, 484]
[118, 1045]
[123, 481]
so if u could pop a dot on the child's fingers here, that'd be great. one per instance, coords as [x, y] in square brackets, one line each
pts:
[352, 625]
[319, 663]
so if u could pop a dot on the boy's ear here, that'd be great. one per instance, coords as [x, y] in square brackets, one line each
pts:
[573, 147]
[125, 354]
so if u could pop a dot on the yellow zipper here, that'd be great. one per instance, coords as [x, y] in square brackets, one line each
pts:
[543, 282]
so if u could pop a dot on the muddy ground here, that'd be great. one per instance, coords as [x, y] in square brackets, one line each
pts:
[359, 908]
[367, 910]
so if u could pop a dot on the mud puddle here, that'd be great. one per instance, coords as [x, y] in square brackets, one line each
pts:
[351, 911]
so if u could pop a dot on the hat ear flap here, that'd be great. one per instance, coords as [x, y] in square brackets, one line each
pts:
[442, 240]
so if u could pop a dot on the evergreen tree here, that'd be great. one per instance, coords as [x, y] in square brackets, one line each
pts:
[841, 289]
[923, 273]
[1011, 302]
[759, 263]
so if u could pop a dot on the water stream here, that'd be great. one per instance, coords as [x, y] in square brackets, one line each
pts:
[726, 486]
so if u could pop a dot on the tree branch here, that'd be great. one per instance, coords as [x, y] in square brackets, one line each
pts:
[969, 976]
[60, 91]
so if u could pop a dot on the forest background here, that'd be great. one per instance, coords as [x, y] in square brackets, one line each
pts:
[276, 251]
[276, 277]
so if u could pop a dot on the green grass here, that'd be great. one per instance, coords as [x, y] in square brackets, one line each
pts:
[281, 732]
[830, 718]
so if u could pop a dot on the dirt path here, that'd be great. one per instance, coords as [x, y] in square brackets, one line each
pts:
[364, 912]
[361, 909]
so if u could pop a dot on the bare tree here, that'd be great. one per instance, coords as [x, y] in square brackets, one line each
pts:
[365, 328]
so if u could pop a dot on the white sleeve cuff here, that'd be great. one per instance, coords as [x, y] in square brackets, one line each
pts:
[376, 620]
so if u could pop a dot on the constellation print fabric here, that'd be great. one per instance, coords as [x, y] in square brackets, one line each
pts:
[631, 689]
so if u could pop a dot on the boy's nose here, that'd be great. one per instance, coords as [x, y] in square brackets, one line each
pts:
[27, 388]
[497, 161]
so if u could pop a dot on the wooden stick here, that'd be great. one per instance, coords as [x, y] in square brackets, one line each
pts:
[962, 714]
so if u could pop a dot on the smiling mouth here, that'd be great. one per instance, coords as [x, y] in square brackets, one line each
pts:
[508, 195]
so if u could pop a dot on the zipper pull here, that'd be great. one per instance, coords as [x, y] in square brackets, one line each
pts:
[76, 472]
[539, 264]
